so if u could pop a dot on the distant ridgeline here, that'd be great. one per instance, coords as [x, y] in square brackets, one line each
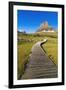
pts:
[44, 27]
[22, 32]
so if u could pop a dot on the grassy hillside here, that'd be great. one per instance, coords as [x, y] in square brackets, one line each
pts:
[25, 43]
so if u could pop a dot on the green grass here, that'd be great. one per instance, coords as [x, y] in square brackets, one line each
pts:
[51, 49]
[24, 50]
[27, 41]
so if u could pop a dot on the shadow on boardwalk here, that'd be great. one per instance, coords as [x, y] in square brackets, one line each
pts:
[39, 65]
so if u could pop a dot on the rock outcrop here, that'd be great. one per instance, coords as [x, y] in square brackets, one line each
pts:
[44, 27]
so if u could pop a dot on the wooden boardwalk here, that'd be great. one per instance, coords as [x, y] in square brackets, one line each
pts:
[39, 65]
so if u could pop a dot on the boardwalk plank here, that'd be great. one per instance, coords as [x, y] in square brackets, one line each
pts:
[39, 65]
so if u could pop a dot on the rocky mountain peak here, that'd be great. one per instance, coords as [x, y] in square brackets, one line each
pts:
[45, 27]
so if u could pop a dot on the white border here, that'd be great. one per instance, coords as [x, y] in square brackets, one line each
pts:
[34, 81]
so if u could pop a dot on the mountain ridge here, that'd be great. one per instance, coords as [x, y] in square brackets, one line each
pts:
[45, 27]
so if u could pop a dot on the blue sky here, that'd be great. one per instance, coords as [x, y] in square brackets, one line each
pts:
[30, 21]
